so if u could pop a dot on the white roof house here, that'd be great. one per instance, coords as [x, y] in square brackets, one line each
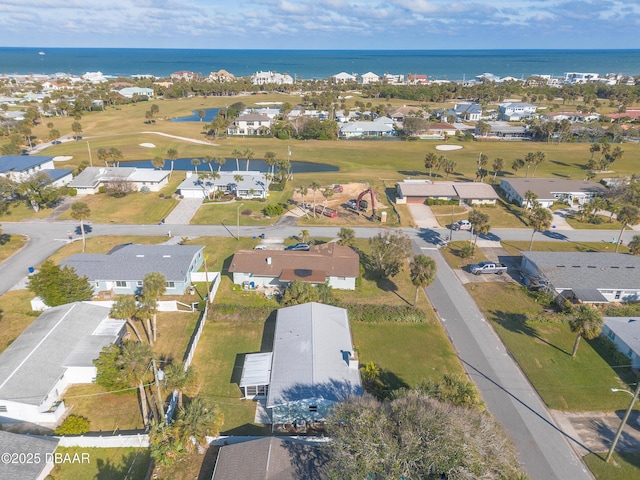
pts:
[369, 77]
[343, 77]
[252, 184]
[55, 351]
[89, 181]
[312, 364]
[380, 127]
[129, 92]
[263, 78]
[250, 124]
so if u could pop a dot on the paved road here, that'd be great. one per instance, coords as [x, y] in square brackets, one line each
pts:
[543, 449]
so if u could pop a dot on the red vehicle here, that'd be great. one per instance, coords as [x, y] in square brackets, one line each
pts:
[338, 188]
[327, 212]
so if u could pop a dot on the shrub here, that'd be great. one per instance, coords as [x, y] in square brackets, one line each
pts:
[72, 192]
[161, 195]
[73, 425]
[145, 189]
[273, 210]
[246, 212]
[374, 313]
[467, 251]
[278, 186]
[102, 189]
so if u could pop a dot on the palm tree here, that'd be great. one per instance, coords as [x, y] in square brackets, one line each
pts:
[135, 362]
[628, 215]
[304, 235]
[158, 162]
[539, 159]
[125, 307]
[346, 236]
[201, 114]
[529, 159]
[154, 285]
[208, 159]
[540, 219]
[270, 160]
[236, 154]
[184, 380]
[195, 162]
[595, 147]
[498, 164]
[214, 176]
[430, 161]
[197, 420]
[248, 154]
[220, 161]
[517, 164]
[315, 186]
[479, 223]
[172, 154]
[449, 166]
[530, 199]
[423, 272]
[81, 211]
[327, 193]
[634, 245]
[586, 322]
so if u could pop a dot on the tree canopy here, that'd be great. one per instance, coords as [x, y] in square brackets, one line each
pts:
[417, 437]
[59, 285]
[389, 251]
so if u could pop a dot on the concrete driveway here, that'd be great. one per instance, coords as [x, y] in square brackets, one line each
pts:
[422, 215]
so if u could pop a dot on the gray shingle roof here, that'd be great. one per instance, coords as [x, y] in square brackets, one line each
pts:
[271, 459]
[626, 329]
[14, 443]
[133, 262]
[60, 336]
[19, 163]
[311, 345]
[588, 270]
[544, 188]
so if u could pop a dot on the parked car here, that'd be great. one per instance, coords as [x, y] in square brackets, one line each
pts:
[260, 247]
[298, 246]
[461, 225]
[352, 203]
[487, 267]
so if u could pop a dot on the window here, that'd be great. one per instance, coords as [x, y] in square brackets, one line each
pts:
[630, 353]
[618, 293]
[139, 283]
[121, 283]
[611, 335]
[3, 408]
[171, 285]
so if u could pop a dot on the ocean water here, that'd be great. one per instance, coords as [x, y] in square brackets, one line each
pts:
[310, 64]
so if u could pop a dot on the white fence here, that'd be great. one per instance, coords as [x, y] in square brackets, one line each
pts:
[115, 441]
[212, 277]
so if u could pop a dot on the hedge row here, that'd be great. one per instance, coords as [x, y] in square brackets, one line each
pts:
[373, 313]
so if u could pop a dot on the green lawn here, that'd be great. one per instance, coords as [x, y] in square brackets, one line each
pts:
[16, 315]
[246, 212]
[543, 351]
[516, 247]
[103, 464]
[501, 215]
[574, 221]
[10, 244]
[622, 466]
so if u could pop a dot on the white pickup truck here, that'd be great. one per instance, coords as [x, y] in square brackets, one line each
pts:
[487, 267]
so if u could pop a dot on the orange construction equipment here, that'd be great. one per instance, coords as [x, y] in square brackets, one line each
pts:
[373, 202]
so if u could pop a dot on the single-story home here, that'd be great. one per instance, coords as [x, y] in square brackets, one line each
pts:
[89, 181]
[380, 127]
[59, 177]
[20, 167]
[250, 124]
[337, 265]
[624, 332]
[271, 458]
[122, 270]
[55, 351]
[586, 277]
[129, 92]
[441, 129]
[253, 184]
[504, 131]
[38, 449]
[313, 365]
[549, 190]
[469, 193]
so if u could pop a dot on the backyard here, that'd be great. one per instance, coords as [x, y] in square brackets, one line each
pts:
[103, 464]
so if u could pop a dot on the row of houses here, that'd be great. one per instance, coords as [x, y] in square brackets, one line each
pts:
[547, 190]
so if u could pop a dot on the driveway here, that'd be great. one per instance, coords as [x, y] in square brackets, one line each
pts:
[422, 215]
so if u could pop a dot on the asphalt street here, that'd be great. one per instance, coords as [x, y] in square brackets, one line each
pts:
[544, 449]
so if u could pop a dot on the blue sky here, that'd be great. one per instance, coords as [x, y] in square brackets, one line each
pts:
[321, 24]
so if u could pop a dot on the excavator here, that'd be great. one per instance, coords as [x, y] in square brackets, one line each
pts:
[361, 204]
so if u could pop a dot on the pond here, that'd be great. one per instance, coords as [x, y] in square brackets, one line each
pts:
[209, 115]
[230, 165]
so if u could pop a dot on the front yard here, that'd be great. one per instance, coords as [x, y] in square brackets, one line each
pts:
[104, 464]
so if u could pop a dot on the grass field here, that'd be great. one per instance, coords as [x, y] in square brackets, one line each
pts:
[515, 247]
[543, 351]
[104, 464]
[10, 245]
[16, 315]
[622, 466]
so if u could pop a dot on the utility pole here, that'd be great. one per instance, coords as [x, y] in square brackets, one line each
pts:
[89, 149]
[624, 420]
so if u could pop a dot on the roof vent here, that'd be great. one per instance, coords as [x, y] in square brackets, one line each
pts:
[268, 260]
[140, 256]
[166, 256]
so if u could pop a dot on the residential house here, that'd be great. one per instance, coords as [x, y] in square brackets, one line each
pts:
[586, 277]
[184, 75]
[130, 92]
[271, 458]
[465, 193]
[94, 77]
[550, 190]
[27, 447]
[265, 78]
[122, 269]
[515, 112]
[250, 124]
[398, 114]
[393, 79]
[344, 77]
[504, 131]
[313, 366]
[624, 332]
[440, 130]
[380, 127]
[55, 351]
[417, 79]
[330, 263]
[252, 185]
[59, 176]
[89, 181]
[470, 112]
[369, 77]
[572, 117]
[20, 167]
[575, 78]
[221, 76]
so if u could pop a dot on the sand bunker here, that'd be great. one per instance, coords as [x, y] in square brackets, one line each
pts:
[62, 158]
[147, 145]
[448, 147]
